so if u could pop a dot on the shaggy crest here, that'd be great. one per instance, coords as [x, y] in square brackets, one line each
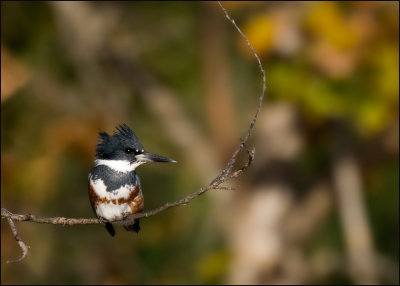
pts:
[122, 138]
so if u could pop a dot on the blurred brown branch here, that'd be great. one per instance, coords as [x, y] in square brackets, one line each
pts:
[225, 175]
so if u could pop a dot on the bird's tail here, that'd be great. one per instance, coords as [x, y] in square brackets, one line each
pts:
[133, 227]
[110, 228]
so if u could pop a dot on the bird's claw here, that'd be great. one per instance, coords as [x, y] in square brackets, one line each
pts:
[102, 220]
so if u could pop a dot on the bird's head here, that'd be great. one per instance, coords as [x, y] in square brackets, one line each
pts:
[122, 151]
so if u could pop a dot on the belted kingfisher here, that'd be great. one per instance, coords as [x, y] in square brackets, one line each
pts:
[114, 186]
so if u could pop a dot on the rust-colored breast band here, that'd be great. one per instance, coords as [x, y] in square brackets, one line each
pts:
[133, 197]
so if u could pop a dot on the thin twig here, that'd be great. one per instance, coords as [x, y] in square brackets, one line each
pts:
[227, 170]
[216, 184]
[21, 244]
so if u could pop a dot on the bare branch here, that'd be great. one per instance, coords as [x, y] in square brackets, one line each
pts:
[227, 170]
[21, 244]
[216, 184]
[48, 220]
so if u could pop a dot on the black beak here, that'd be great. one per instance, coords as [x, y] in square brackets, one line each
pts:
[150, 157]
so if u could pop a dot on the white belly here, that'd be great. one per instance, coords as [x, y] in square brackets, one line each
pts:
[112, 211]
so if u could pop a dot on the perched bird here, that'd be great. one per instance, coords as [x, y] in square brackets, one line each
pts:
[114, 186]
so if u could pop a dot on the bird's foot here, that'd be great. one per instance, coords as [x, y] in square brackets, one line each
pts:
[103, 220]
[126, 215]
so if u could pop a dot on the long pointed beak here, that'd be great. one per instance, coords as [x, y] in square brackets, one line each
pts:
[150, 157]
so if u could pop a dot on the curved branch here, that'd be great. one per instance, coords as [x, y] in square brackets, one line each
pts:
[6, 214]
[216, 184]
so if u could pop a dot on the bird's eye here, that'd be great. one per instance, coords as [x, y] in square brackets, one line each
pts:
[134, 151]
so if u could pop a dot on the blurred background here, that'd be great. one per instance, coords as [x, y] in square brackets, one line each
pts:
[319, 204]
